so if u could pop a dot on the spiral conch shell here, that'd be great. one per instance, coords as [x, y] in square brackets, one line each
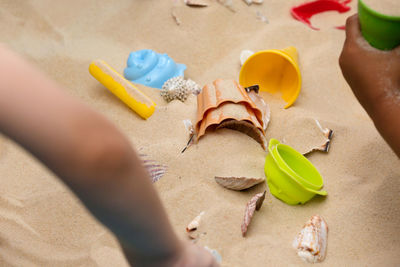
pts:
[311, 241]
[151, 69]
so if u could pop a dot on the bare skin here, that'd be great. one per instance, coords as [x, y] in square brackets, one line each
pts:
[95, 160]
[374, 77]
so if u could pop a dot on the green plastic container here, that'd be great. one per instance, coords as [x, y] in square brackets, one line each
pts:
[290, 176]
[381, 31]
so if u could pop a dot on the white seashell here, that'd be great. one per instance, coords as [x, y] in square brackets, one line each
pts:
[311, 241]
[196, 3]
[328, 133]
[238, 183]
[215, 253]
[258, 2]
[248, 2]
[193, 225]
[244, 55]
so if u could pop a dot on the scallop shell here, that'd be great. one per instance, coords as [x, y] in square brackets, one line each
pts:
[155, 170]
[151, 69]
[238, 183]
[312, 240]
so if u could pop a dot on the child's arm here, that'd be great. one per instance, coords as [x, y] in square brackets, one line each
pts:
[94, 159]
[374, 77]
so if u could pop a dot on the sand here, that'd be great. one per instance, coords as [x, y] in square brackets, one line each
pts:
[387, 7]
[43, 224]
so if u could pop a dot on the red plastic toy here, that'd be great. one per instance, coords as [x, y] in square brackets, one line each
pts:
[305, 11]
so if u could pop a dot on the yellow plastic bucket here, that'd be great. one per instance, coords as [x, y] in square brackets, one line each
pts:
[274, 70]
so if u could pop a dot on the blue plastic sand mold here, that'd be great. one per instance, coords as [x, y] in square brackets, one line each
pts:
[151, 69]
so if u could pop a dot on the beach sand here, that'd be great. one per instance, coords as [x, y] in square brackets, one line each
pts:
[387, 7]
[43, 224]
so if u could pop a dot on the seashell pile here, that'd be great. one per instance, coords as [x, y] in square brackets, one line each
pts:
[178, 88]
[311, 241]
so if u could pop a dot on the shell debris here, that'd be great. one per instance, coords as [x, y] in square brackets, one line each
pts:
[328, 133]
[312, 240]
[254, 204]
[244, 55]
[238, 183]
[193, 225]
[196, 3]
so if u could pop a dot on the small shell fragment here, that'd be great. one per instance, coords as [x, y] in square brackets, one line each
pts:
[328, 133]
[215, 253]
[262, 17]
[249, 2]
[253, 205]
[311, 241]
[193, 225]
[155, 170]
[238, 183]
[189, 127]
[196, 3]
[244, 55]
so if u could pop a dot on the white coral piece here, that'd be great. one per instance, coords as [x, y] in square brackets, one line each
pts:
[179, 88]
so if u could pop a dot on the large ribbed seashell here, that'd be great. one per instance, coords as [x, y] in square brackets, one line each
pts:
[238, 183]
[151, 69]
[311, 241]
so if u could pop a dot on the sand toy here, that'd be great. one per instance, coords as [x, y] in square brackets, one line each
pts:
[226, 104]
[305, 11]
[381, 31]
[122, 88]
[290, 176]
[274, 70]
[151, 69]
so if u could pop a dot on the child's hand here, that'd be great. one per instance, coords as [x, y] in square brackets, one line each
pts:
[373, 75]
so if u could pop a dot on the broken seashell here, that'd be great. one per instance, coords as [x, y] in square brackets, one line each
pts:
[176, 19]
[261, 17]
[215, 253]
[252, 91]
[228, 4]
[155, 170]
[254, 204]
[311, 241]
[249, 2]
[246, 128]
[244, 55]
[328, 133]
[193, 225]
[238, 183]
[196, 3]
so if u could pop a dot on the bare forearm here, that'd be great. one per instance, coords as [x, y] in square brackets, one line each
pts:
[89, 154]
[387, 121]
